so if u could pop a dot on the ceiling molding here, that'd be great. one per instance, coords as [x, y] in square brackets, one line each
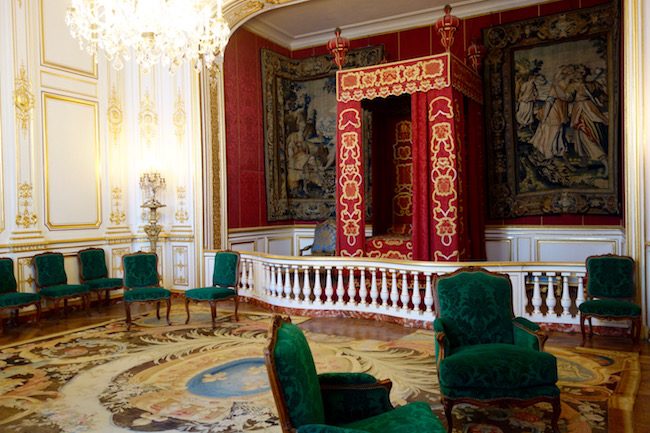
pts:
[421, 18]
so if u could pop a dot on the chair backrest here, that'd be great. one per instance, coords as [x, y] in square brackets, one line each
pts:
[7, 278]
[293, 377]
[226, 269]
[324, 238]
[140, 270]
[92, 264]
[50, 269]
[610, 276]
[476, 307]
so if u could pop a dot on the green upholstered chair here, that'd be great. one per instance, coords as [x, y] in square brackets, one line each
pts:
[142, 283]
[324, 239]
[610, 293]
[52, 281]
[94, 273]
[485, 355]
[225, 282]
[333, 402]
[10, 298]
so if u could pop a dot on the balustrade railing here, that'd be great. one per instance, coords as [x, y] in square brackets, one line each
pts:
[542, 292]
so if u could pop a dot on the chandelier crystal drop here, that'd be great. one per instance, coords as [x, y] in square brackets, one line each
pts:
[169, 32]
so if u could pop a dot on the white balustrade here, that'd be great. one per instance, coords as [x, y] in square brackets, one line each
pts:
[399, 289]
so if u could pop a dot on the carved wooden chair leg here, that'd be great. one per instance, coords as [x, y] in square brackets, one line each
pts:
[448, 405]
[108, 297]
[236, 308]
[582, 328]
[591, 328]
[158, 310]
[65, 307]
[557, 410]
[636, 330]
[213, 312]
[187, 310]
[127, 309]
[169, 307]
[56, 307]
[38, 314]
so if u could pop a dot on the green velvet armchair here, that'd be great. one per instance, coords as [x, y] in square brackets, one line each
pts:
[333, 402]
[142, 283]
[52, 281]
[485, 355]
[610, 293]
[225, 282]
[94, 273]
[10, 298]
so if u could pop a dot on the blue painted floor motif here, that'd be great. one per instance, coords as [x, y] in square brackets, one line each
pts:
[238, 378]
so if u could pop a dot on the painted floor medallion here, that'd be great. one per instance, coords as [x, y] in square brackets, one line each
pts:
[186, 379]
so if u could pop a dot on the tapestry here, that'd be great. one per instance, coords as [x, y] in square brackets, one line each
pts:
[553, 111]
[184, 378]
[299, 98]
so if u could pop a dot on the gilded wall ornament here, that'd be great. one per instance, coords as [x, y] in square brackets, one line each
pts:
[23, 99]
[118, 216]
[25, 217]
[214, 74]
[180, 118]
[115, 115]
[181, 213]
[148, 119]
[180, 265]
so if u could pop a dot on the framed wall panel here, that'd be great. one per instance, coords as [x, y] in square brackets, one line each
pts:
[58, 49]
[71, 163]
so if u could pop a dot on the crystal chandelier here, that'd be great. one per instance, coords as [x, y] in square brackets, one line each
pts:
[156, 31]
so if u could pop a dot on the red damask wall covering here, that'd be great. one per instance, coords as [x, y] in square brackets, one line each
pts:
[243, 99]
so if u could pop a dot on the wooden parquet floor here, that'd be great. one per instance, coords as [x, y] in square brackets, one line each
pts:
[355, 328]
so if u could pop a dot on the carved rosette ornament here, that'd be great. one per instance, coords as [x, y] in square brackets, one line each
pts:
[23, 99]
[115, 115]
[25, 217]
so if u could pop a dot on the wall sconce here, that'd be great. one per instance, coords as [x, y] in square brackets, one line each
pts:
[151, 183]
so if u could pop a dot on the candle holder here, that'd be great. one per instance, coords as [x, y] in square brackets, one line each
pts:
[151, 183]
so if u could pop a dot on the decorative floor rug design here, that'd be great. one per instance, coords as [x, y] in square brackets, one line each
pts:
[187, 379]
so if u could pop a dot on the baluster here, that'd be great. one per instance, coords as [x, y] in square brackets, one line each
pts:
[279, 286]
[404, 296]
[580, 298]
[352, 291]
[417, 298]
[296, 283]
[394, 294]
[537, 294]
[243, 279]
[363, 290]
[550, 293]
[384, 288]
[306, 287]
[374, 293]
[428, 293]
[251, 276]
[566, 297]
[273, 281]
[287, 282]
[318, 290]
[340, 291]
[329, 289]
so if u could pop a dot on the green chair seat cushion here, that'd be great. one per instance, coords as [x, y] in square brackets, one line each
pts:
[146, 294]
[210, 293]
[333, 379]
[296, 373]
[500, 393]
[324, 428]
[64, 290]
[8, 300]
[412, 417]
[497, 365]
[610, 307]
[104, 283]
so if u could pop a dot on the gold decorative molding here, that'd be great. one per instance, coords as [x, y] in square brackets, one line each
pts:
[147, 119]
[116, 260]
[23, 99]
[25, 218]
[26, 275]
[180, 259]
[213, 80]
[181, 214]
[118, 216]
[115, 115]
[180, 117]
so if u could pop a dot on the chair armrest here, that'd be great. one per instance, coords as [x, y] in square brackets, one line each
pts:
[528, 334]
[308, 247]
[349, 397]
[442, 341]
[322, 428]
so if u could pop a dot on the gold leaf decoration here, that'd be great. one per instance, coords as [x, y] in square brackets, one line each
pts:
[25, 217]
[148, 119]
[180, 118]
[181, 214]
[118, 216]
[115, 115]
[23, 99]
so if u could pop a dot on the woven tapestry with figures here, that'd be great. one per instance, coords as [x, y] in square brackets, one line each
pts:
[553, 109]
[299, 98]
